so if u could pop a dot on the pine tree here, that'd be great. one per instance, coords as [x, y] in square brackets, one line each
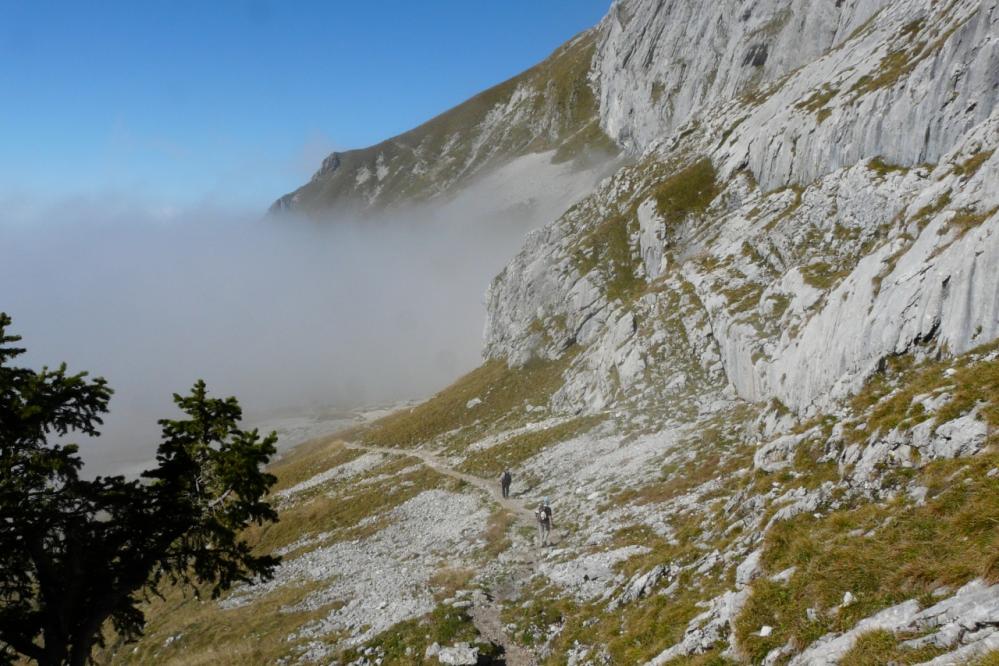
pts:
[78, 554]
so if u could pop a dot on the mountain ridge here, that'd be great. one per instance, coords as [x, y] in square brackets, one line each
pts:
[550, 106]
[755, 370]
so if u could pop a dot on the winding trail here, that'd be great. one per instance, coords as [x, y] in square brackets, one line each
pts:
[515, 506]
[486, 608]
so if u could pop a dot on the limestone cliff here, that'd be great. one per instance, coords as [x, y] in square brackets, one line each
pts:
[813, 226]
[755, 369]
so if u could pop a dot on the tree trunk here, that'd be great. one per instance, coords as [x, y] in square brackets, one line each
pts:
[55, 652]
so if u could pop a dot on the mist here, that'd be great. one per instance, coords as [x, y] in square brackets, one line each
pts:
[284, 313]
[291, 315]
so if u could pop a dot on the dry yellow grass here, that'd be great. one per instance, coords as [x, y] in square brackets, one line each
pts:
[448, 580]
[185, 631]
[497, 541]
[882, 553]
[309, 459]
[502, 390]
[490, 463]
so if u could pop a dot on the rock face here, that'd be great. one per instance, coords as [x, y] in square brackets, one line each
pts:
[848, 212]
[652, 81]
[814, 192]
[964, 623]
[456, 654]
[552, 107]
[765, 324]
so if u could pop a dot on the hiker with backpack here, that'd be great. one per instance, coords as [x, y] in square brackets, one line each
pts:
[505, 480]
[544, 517]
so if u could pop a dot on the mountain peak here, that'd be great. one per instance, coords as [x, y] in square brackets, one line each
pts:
[754, 371]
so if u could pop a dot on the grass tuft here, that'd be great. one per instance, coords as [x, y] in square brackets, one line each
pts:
[822, 275]
[688, 192]
[502, 390]
[970, 166]
[882, 168]
[880, 647]
[491, 462]
[882, 553]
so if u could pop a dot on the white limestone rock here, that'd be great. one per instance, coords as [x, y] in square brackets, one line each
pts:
[779, 453]
[461, 654]
[707, 629]
[829, 649]
[749, 570]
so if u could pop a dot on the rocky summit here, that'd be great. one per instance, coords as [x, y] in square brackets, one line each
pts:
[753, 367]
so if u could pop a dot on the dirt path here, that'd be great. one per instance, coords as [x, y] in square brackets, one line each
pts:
[486, 609]
[515, 506]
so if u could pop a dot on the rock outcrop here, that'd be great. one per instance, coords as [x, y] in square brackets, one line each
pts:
[551, 108]
[756, 367]
[824, 243]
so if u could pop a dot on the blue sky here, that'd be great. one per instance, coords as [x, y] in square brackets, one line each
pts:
[234, 103]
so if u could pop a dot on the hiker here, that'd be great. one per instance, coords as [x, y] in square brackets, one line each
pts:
[505, 480]
[544, 516]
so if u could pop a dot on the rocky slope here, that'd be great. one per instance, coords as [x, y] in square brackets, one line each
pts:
[551, 108]
[756, 370]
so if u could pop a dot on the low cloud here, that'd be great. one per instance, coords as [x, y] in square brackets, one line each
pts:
[283, 313]
[287, 314]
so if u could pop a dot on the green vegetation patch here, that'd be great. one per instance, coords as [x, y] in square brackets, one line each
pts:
[608, 247]
[781, 302]
[822, 275]
[966, 219]
[882, 168]
[809, 471]
[344, 512]
[186, 631]
[970, 166]
[446, 581]
[308, 460]
[688, 192]
[888, 398]
[406, 643]
[916, 45]
[818, 101]
[898, 63]
[497, 532]
[880, 647]
[512, 452]
[743, 298]
[926, 213]
[502, 390]
[882, 553]
[631, 635]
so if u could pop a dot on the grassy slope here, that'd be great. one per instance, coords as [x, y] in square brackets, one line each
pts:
[183, 629]
[561, 115]
[887, 552]
[881, 552]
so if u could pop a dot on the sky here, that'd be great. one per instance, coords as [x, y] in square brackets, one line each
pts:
[235, 102]
[140, 145]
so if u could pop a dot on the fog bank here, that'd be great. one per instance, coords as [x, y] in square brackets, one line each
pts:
[283, 313]
[290, 315]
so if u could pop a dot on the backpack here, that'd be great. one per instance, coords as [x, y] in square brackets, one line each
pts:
[544, 514]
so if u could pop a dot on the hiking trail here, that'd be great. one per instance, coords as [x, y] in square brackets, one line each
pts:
[486, 609]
